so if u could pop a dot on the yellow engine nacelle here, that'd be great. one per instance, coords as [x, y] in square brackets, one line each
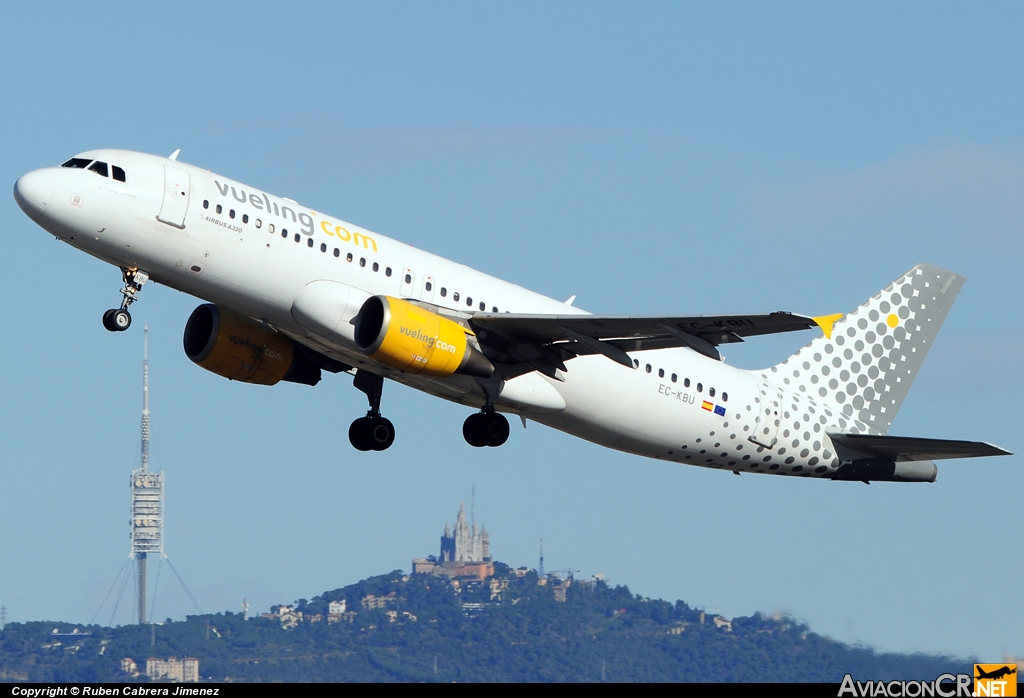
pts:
[237, 347]
[412, 339]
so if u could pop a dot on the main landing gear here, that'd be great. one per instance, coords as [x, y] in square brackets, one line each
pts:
[372, 432]
[119, 319]
[488, 428]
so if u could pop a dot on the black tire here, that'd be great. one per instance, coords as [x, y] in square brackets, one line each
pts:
[121, 319]
[380, 433]
[359, 434]
[108, 324]
[496, 429]
[473, 431]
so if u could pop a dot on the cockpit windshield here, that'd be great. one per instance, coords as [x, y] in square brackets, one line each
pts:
[97, 166]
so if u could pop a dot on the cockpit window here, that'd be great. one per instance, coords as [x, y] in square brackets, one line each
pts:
[118, 173]
[77, 163]
[100, 168]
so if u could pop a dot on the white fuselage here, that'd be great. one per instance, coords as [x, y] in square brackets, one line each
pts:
[255, 253]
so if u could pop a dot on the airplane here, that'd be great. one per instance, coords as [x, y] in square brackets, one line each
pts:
[994, 674]
[292, 292]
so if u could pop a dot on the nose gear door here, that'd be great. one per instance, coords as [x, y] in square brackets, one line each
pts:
[176, 196]
[769, 417]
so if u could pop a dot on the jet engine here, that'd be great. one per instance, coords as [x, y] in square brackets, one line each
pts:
[415, 340]
[239, 348]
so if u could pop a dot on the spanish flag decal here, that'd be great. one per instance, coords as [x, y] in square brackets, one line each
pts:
[707, 406]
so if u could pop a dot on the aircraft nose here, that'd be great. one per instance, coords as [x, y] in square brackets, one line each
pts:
[33, 191]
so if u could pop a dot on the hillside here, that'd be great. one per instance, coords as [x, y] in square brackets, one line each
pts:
[429, 629]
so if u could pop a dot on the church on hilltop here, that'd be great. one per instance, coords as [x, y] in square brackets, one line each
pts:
[465, 552]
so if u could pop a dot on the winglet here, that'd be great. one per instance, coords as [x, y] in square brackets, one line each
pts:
[571, 299]
[826, 322]
[174, 155]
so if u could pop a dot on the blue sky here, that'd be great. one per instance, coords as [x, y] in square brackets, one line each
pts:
[650, 158]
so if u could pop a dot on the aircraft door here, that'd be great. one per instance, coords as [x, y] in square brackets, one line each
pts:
[769, 417]
[408, 277]
[428, 289]
[176, 196]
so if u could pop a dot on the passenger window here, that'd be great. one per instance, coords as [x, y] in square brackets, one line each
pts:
[118, 173]
[494, 309]
[725, 397]
[483, 306]
[362, 261]
[636, 363]
[270, 228]
[661, 373]
[77, 163]
[387, 272]
[376, 266]
[296, 235]
[673, 378]
[323, 247]
[219, 208]
[99, 168]
[429, 286]
[245, 217]
[711, 392]
[700, 387]
[686, 382]
[309, 243]
[648, 368]
[455, 296]
[348, 257]
[337, 252]
[206, 203]
[444, 292]
[469, 301]
[408, 278]
[259, 224]
[231, 213]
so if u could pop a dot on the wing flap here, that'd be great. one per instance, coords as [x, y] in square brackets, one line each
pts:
[714, 329]
[910, 448]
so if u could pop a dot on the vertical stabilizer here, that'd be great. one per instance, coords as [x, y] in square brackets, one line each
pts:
[865, 363]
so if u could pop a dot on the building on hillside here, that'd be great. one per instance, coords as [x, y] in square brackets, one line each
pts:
[371, 601]
[465, 552]
[465, 543]
[335, 610]
[173, 669]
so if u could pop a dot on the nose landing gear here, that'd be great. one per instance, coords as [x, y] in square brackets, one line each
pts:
[372, 432]
[485, 429]
[119, 319]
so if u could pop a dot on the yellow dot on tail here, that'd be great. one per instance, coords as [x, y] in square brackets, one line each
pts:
[892, 320]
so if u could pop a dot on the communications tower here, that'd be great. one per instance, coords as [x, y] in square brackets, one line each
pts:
[147, 487]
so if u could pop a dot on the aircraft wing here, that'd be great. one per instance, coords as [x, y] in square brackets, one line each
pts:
[908, 448]
[547, 341]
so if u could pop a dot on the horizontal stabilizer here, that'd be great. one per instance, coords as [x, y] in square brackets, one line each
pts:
[908, 448]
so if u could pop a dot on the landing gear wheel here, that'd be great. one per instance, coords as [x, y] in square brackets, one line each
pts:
[473, 430]
[359, 434]
[373, 433]
[381, 433]
[496, 429]
[121, 319]
[117, 320]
